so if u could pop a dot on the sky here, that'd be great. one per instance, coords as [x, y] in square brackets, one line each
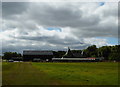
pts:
[58, 25]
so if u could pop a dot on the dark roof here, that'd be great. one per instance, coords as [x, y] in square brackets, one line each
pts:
[70, 54]
[35, 52]
[77, 55]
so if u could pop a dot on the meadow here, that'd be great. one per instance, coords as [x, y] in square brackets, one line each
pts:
[83, 73]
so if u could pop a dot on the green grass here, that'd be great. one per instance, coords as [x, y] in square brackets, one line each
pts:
[101, 73]
[0, 73]
[24, 74]
[81, 73]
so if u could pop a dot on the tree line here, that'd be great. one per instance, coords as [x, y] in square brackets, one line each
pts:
[10, 55]
[108, 52]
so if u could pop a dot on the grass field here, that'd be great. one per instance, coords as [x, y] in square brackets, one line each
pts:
[28, 73]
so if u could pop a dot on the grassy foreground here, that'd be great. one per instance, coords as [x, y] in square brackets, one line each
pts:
[26, 73]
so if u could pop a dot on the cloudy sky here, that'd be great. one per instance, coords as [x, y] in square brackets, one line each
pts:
[57, 25]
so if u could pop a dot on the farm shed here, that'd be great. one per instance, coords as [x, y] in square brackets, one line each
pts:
[30, 55]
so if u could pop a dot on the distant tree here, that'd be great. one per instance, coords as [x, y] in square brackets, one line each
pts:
[9, 55]
[61, 53]
[19, 55]
[91, 51]
[104, 51]
[115, 55]
[58, 54]
[77, 51]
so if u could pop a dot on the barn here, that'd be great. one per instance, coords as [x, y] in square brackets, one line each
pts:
[35, 55]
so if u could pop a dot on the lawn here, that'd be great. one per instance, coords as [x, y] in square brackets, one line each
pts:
[0, 72]
[83, 73]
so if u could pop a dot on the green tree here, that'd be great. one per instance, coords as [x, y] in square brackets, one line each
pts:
[58, 54]
[9, 55]
[104, 51]
[91, 51]
[115, 55]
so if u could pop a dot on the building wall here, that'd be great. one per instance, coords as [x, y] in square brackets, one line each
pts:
[42, 57]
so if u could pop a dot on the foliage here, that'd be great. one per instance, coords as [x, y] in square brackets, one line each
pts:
[77, 51]
[91, 51]
[9, 55]
[58, 54]
[108, 52]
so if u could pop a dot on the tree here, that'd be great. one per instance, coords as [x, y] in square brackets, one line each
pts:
[115, 55]
[9, 55]
[91, 51]
[104, 51]
[58, 54]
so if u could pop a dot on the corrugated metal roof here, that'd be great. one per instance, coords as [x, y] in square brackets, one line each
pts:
[31, 52]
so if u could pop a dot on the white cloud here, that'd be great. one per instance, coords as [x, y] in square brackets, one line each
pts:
[25, 25]
[96, 41]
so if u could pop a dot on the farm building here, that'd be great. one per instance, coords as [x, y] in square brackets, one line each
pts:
[30, 55]
[70, 54]
[75, 57]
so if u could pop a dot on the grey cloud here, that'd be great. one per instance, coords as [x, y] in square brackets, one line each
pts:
[12, 8]
[55, 40]
[62, 16]
[26, 16]
[19, 48]
[47, 15]
[105, 30]
[80, 46]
